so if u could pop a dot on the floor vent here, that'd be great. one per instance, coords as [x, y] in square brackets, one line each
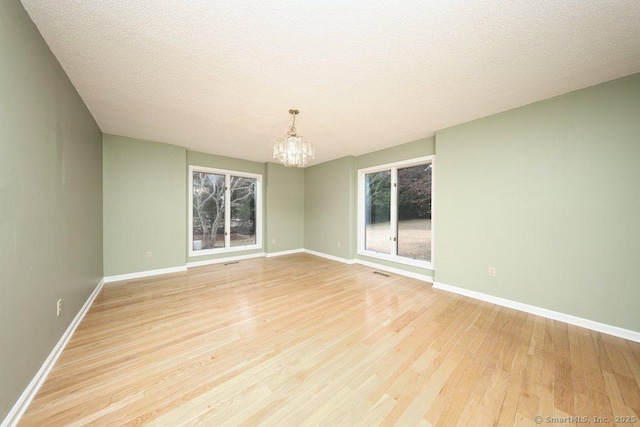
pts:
[381, 274]
[234, 262]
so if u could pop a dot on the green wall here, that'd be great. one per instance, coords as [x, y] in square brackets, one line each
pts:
[284, 208]
[144, 205]
[51, 209]
[549, 195]
[227, 163]
[329, 211]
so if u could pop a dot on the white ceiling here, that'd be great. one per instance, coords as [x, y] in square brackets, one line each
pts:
[220, 76]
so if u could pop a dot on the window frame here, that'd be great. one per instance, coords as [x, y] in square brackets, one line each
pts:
[361, 214]
[227, 212]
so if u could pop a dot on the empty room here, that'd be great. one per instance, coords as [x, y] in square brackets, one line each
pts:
[319, 213]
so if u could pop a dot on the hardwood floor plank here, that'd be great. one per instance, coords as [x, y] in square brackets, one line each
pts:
[613, 402]
[630, 392]
[632, 361]
[529, 400]
[513, 361]
[590, 362]
[300, 340]
[563, 371]
[618, 361]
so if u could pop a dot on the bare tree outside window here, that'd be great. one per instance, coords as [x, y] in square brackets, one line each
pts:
[243, 211]
[209, 211]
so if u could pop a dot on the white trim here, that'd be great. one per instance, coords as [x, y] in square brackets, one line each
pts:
[140, 274]
[399, 271]
[331, 257]
[360, 194]
[227, 213]
[402, 163]
[549, 314]
[393, 216]
[223, 260]
[413, 275]
[281, 253]
[21, 405]
[398, 259]
[226, 250]
[433, 217]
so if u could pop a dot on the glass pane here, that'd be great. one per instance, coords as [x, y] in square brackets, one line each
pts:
[208, 211]
[378, 212]
[243, 211]
[414, 212]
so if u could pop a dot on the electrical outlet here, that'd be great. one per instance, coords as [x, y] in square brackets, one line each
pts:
[149, 255]
[59, 307]
[491, 271]
[273, 241]
[339, 244]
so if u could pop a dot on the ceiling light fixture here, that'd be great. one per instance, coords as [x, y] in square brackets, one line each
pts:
[294, 149]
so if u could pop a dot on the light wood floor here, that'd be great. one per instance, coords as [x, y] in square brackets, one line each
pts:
[299, 340]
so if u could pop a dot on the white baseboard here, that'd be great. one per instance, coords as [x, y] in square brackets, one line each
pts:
[223, 260]
[396, 270]
[148, 273]
[281, 253]
[21, 405]
[140, 274]
[372, 265]
[543, 312]
[331, 257]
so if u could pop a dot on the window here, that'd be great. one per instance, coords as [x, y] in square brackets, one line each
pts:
[394, 212]
[225, 211]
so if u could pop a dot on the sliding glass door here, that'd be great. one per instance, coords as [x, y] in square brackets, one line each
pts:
[225, 211]
[243, 211]
[394, 212]
[378, 212]
[414, 212]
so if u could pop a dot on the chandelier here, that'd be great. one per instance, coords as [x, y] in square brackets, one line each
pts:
[294, 149]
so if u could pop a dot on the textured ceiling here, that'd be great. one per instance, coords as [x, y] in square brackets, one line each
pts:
[220, 76]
